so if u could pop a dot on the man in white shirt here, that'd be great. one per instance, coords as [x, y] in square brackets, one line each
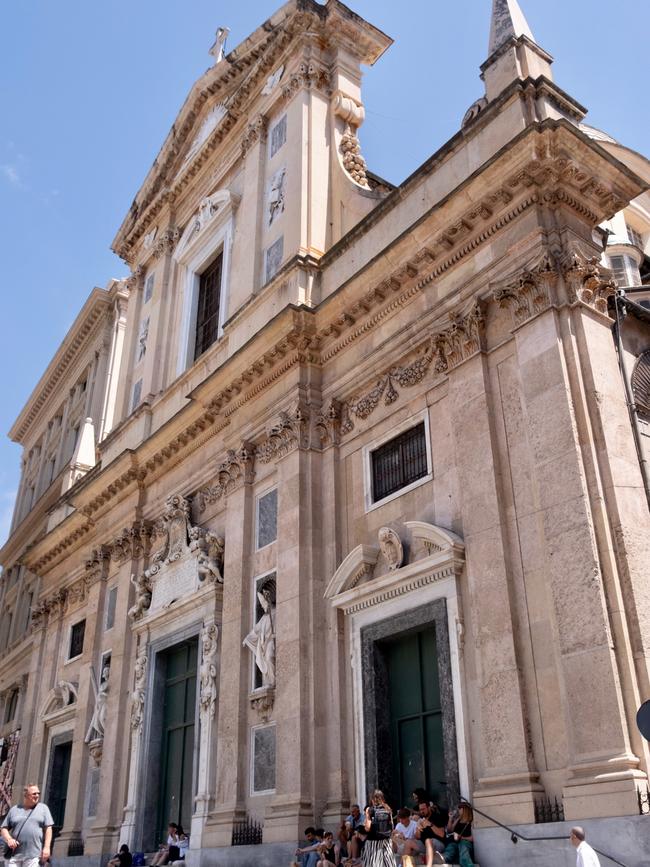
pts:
[586, 857]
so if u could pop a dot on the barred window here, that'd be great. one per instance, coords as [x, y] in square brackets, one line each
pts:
[77, 639]
[207, 315]
[399, 462]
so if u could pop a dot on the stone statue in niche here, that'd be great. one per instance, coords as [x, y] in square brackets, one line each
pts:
[208, 673]
[391, 548]
[66, 692]
[261, 640]
[142, 338]
[142, 596]
[138, 696]
[98, 720]
[277, 193]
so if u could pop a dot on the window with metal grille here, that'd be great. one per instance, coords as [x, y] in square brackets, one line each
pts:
[399, 462]
[77, 639]
[207, 314]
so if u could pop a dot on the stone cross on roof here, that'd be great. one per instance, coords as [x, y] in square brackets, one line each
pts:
[507, 21]
[218, 50]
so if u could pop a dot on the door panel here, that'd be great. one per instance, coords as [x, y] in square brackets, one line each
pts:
[177, 742]
[415, 715]
[57, 790]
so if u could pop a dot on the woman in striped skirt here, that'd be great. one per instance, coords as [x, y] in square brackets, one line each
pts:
[378, 849]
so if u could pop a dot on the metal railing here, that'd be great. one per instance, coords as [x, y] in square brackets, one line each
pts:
[516, 836]
[247, 833]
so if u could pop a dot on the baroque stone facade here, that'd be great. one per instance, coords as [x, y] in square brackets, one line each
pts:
[403, 428]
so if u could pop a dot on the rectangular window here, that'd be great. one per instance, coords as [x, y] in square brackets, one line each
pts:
[274, 256]
[11, 705]
[77, 639]
[267, 518]
[399, 462]
[110, 608]
[148, 287]
[137, 395]
[635, 237]
[207, 314]
[263, 760]
[28, 610]
[278, 135]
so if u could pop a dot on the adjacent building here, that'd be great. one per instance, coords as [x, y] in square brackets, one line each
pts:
[346, 484]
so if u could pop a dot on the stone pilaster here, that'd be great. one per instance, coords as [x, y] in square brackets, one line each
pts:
[232, 732]
[507, 781]
[296, 640]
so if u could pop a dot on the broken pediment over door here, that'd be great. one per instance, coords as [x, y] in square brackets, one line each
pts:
[404, 557]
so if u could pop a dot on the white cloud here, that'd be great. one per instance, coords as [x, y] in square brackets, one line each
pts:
[7, 500]
[11, 174]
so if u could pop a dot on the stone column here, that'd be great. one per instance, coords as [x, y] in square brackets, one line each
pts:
[506, 778]
[235, 477]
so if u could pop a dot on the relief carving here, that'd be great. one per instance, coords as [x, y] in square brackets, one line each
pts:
[261, 639]
[277, 192]
[588, 282]
[531, 293]
[208, 673]
[139, 691]
[391, 548]
[177, 537]
[292, 431]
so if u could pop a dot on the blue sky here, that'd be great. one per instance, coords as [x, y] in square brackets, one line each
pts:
[89, 91]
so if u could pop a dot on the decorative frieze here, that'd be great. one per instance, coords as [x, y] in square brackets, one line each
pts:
[588, 282]
[531, 293]
[444, 351]
[98, 563]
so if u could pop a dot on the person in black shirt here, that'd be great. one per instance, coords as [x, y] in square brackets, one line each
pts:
[378, 823]
[123, 858]
[460, 848]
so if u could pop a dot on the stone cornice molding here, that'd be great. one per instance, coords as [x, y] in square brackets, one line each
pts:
[435, 554]
[84, 329]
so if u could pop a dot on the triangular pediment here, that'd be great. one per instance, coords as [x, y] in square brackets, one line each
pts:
[230, 91]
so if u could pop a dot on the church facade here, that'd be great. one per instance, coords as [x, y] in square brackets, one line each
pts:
[346, 484]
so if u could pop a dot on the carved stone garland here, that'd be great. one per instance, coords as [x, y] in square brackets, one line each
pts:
[444, 351]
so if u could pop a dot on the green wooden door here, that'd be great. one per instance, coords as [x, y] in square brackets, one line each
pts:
[415, 716]
[57, 790]
[177, 743]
